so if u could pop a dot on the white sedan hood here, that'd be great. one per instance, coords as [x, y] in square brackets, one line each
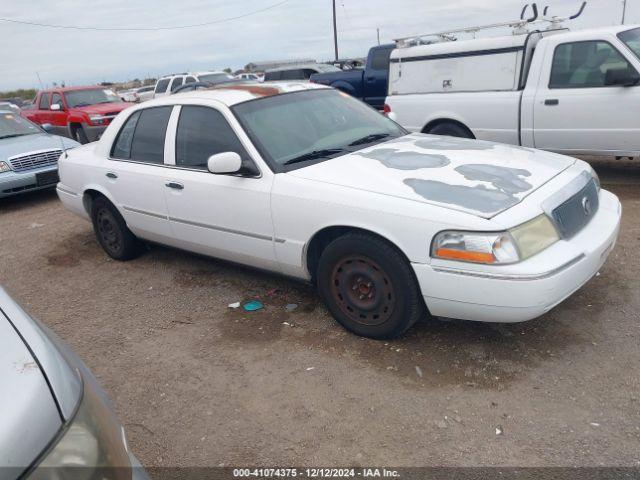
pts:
[477, 177]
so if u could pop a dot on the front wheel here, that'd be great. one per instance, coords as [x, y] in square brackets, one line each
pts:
[369, 287]
[79, 135]
[112, 232]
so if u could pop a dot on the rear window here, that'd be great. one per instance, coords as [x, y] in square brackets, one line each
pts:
[142, 136]
[162, 85]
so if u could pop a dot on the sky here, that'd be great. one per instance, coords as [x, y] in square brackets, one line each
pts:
[294, 29]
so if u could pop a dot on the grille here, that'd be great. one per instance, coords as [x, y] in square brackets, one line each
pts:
[572, 216]
[35, 160]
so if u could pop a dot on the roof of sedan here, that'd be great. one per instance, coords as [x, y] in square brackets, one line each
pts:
[233, 94]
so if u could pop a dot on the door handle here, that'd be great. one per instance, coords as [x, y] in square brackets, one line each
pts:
[112, 175]
[371, 79]
[551, 101]
[176, 185]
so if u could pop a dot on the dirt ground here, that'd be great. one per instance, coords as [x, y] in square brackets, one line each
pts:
[198, 384]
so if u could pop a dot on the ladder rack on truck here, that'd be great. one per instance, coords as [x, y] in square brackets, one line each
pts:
[519, 27]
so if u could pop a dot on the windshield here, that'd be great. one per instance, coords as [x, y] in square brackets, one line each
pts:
[312, 125]
[215, 77]
[12, 125]
[82, 98]
[632, 39]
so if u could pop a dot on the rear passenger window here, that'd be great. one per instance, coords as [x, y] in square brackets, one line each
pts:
[162, 85]
[44, 102]
[202, 132]
[176, 83]
[297, 74]
[142, 136]
[122, 147]
[190, 80]
[270, 76]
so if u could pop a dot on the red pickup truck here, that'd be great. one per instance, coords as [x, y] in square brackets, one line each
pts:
[81, 113]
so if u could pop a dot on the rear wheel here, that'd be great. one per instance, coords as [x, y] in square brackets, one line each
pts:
[450, 129]
[112, 232]
[369, 287]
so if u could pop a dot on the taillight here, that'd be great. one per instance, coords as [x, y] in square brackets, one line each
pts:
[386, 109]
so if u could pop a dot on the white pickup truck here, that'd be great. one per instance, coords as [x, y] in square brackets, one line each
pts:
[571, 92]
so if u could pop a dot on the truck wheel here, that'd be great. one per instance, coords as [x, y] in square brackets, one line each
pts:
[112, 232]
[369, 287]
[450, 129]
[79, 135]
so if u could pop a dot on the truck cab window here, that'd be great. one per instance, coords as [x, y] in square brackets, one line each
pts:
[44, 102]
[380, 59]
[177, 81]
[584, 64]
[57, 98]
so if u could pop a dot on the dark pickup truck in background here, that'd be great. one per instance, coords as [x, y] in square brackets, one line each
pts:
[369, 85]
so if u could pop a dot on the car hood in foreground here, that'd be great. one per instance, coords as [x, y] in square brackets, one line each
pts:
[10, 147]
[477, 177]
[28, 412]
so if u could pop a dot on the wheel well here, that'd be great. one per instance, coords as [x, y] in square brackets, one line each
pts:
[88, 198]
[440, 121]
[324, 237]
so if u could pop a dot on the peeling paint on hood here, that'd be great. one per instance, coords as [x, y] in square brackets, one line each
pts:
[477, 177]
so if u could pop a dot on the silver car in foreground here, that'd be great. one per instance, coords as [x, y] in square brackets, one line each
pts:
[55, 420]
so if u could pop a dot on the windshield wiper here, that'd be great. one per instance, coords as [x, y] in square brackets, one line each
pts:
[369, 138]
[313, 155]
[14, 135]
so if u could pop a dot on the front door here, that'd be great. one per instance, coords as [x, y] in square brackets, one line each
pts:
[58, 118]
[226, 216]
[134, 175]
[577, 110]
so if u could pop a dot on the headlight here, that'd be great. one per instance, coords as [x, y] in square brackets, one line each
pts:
[497, 248]
[595, 177]
[92, 445]
[4, 167]
[97, 119]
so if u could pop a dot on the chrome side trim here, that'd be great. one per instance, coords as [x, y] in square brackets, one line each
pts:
[205, 225]
[144, 212]
[227, 230]
[69, 192]
[506, 276]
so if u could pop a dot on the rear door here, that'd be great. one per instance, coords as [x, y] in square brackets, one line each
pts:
[575, 110]
[135, 176]
[226, 216]
[376, 76]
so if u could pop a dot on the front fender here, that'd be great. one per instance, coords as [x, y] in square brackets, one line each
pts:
[345, 87]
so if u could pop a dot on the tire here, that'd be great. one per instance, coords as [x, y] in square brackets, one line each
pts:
[79, 135]
[112, 232]
[451, 130]
[369, 287]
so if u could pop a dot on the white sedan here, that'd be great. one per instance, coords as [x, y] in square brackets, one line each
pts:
[308, 182]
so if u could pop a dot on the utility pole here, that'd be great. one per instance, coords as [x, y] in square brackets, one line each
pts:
[624, 10]
[335, 31]
[378, 32]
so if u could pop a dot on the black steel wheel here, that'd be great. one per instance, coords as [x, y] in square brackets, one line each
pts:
[112, 232]
[369, 286]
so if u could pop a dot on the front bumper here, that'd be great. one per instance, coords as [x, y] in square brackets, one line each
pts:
[520, 292]
[13, 183]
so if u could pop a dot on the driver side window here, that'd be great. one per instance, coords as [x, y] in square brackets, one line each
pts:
[585, 64]
[202, 132]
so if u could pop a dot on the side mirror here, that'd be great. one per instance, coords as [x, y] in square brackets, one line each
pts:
[47, 127]
[225, 162]
[55, 107]
[623, 77]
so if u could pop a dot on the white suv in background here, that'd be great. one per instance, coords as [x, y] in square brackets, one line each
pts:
[166, 85]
